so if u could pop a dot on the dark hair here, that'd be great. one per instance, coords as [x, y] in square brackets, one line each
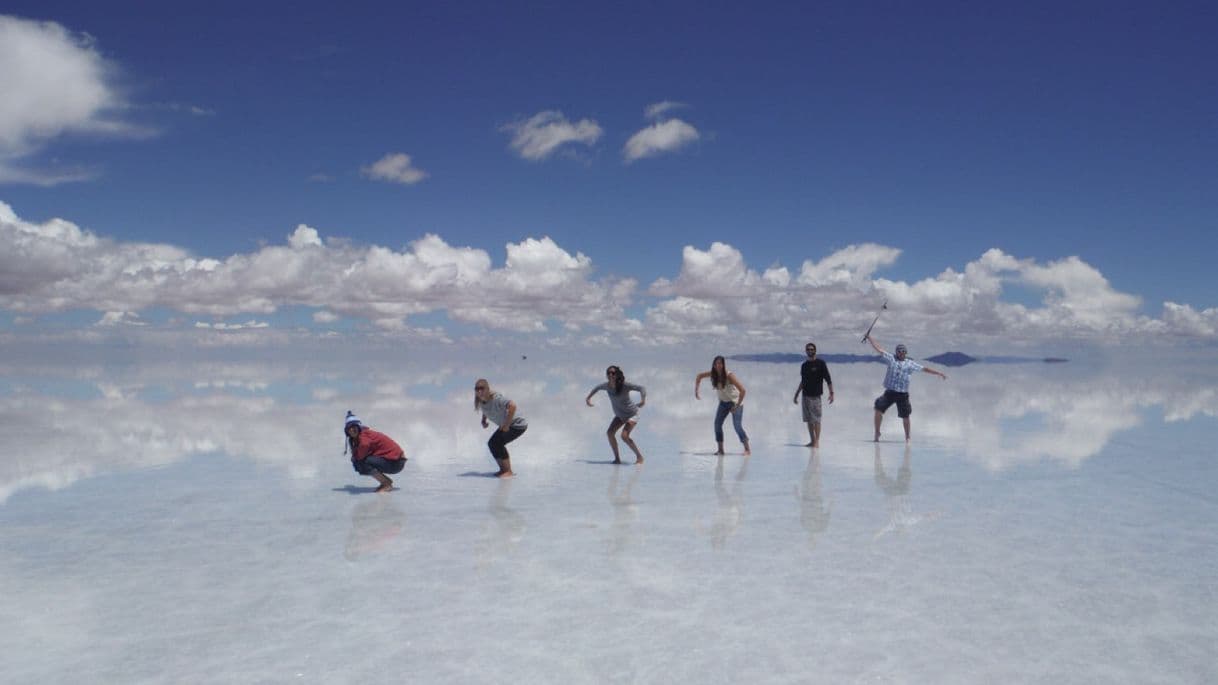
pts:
[617, 380]
[718, 378]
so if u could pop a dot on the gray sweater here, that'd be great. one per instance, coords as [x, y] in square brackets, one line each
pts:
[623, 407]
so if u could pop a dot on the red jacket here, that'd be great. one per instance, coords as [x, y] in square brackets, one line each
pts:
[376, 444]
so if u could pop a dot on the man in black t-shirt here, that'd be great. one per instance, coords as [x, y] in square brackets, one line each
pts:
[813, 376]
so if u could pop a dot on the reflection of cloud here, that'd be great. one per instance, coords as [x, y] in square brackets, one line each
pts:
[60, 422]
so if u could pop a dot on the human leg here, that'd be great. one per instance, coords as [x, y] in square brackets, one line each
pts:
[738, 425]
[498, 445]
[611, 433]
[630, 441]
[720, 415]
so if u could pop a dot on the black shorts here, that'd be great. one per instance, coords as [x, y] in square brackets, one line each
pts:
[901, 399]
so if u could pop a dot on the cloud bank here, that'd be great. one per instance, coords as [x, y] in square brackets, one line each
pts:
[541, 288]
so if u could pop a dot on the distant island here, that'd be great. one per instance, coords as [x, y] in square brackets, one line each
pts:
[944, 359]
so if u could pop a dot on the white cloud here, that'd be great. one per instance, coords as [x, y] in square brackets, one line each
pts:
[717, 294]
[58, 266]
[120, 319]
[657, 110]
[539, 136]
[54, 83]
[661, 137]
[395, 167]
[542, 288]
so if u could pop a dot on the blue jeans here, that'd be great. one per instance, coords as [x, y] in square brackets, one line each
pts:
[725, 408]
[367, 465]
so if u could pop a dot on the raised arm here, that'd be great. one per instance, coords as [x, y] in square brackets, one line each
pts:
[875, 345]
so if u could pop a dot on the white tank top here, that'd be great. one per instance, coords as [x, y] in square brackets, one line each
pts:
[728, 393]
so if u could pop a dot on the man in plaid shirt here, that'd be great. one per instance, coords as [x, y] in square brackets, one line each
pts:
[896, 385]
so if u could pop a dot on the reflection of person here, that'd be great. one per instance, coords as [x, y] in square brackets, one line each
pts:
[814, 510]
[813, 376]
[503, 532]
[896, 385]
[625, 411]
[502, 412]
[374, 523]
[731, 400]
[901, 516]
[731, 505]
[373, 453]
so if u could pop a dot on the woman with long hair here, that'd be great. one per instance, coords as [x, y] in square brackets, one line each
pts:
[497, 409]
[731, 401]
[625, 411]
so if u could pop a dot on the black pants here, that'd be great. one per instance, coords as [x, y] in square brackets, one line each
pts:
[501, 438]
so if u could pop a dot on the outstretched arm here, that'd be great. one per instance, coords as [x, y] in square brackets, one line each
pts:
[698, 383]
[588, 399]
[934, 372]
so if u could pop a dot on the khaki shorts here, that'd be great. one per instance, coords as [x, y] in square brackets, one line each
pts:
[811, 406]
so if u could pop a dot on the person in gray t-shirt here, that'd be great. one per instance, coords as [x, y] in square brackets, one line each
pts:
[501, 411]
[625, 411]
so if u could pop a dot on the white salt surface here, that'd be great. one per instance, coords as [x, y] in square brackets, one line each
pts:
[200, 524]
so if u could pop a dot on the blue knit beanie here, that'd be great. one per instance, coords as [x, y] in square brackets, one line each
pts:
[351, 419]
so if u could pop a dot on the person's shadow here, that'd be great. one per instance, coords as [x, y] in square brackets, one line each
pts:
[356, 489]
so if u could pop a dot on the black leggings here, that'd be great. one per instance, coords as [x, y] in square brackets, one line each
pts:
[501, 438]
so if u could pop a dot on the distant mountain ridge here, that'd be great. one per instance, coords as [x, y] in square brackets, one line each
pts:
[944, 359]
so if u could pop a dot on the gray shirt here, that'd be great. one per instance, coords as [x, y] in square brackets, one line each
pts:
[623, 406]
[495, 410]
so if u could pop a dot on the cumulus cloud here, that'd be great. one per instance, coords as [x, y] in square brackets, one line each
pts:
[395, 167]
[717, 293]
[544, 133]
[54, 82]
[659, 138]
[57, 266]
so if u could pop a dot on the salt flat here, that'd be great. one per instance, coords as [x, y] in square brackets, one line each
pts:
[198, 523]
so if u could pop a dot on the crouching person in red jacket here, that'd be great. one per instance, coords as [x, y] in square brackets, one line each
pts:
[373, 453]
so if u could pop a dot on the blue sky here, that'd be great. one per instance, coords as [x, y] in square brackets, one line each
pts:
[1077, 140]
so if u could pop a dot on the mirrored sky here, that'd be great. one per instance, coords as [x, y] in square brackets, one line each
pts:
[1046, 523]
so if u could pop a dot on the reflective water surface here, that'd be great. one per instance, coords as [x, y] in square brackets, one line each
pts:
[198, 521]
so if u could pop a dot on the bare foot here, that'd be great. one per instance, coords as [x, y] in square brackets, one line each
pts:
[506, 474]
[719, 453]
[809, 444]
[747, 451]
[639, 460]
[877, 438]
[385, 488]
[617, 461]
